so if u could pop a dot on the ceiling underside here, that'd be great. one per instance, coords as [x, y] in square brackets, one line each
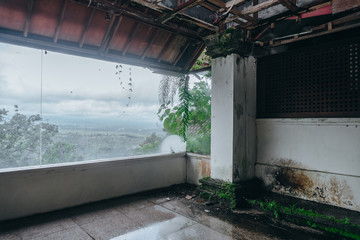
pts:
[166, 35]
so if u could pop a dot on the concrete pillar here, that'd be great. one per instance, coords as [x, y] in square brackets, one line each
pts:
[233, 127]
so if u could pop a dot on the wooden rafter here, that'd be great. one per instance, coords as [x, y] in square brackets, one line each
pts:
[179, 9]
[299, 38]
[29, 7]
[252, 10]
[201, 23]
[113, 32]
[150, 43]
[236, 3]
[169, 39]
[256, 15]
[291, 5]
[306, 8]
[60, 21]
[88, 23]
[107, 34]
[181, 53]
[209, 6]
[194, 57]
[151, 5]
[138, 16]
[235, 11]
[323, 29]
[259, 7]
[130, 38]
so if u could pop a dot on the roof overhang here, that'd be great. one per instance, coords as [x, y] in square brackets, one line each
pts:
[166, 35]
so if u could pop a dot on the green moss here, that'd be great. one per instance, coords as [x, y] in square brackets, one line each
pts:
[290, 211]
[224, 193]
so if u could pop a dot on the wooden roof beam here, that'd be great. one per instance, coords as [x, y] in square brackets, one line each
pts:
[88, 23]
[236, 3]
[60, 21]
[130, 38]
[29, 8]
[113, 32]
[256, 15]
[291, 5]
[165, 47]
[181, 53]
[179, 9]
[150, 43]
[235, 11]
[107, 34]
[209, 6]
[139, 17]
[260, 7]
[252, 10]
[194, 57]
[152, 5]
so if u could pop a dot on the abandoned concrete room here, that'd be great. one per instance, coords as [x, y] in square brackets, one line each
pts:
[284, 158]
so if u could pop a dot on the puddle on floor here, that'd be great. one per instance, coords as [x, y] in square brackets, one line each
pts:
[158, 230]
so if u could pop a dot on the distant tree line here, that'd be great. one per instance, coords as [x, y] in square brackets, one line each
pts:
[20, 141]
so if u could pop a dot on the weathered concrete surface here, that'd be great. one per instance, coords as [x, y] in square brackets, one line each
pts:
[31, 190]
[159, 215]
[314, 159]
[197, 167]
[233, 109]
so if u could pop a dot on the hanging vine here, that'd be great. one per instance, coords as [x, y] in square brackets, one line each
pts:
[176, 118]
[126, 84]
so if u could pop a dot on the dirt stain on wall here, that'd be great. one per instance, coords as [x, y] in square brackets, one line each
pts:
[290, 178]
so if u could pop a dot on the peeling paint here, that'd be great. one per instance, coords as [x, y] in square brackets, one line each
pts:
[287, 178]
[205, 168]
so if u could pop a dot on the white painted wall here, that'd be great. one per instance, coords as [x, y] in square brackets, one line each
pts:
[31, 190]
[222, 112]
[233, 114]
[324, 153]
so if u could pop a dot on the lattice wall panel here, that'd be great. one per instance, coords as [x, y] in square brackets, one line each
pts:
[320, 81]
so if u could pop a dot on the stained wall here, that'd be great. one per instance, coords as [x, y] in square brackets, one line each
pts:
[315, 159]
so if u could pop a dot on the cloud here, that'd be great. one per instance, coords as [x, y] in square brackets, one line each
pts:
[75, 86]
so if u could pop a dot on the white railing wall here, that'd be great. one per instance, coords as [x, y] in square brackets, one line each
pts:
[31, 190]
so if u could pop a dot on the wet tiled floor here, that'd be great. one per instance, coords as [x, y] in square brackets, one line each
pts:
[145, 217]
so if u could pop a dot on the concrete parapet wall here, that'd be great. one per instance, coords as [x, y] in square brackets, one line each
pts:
[31, 190]
[197, 167]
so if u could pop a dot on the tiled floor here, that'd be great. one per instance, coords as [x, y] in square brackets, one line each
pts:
[145, 217]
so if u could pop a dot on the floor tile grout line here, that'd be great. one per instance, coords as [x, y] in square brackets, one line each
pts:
[197, 222]
[123, 213]
[182, 214]
[86, 232]
[41, 235]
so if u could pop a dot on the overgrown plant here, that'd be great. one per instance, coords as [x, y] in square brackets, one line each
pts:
[190, 117]
[175, 118]
[290, 211]
[224, 194]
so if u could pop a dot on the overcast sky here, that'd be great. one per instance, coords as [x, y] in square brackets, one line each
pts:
[74, 86]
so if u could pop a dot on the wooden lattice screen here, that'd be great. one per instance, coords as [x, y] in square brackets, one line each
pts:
[317, 81]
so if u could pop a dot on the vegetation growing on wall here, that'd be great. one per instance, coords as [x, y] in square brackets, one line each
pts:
[343, 227]
[219, 191]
